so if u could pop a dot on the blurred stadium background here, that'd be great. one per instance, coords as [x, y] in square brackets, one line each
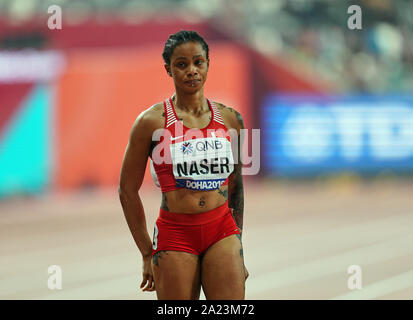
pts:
[335, 109]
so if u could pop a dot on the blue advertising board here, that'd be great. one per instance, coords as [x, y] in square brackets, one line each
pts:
[309, 135]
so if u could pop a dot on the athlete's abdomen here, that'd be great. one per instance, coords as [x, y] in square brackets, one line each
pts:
[188, 201]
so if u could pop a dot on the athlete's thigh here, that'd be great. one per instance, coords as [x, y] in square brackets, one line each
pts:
[176, 275]
[223, 275]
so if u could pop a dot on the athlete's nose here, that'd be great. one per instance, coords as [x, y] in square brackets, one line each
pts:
[192, 70]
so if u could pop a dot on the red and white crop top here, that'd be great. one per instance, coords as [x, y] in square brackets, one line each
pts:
[196, 159]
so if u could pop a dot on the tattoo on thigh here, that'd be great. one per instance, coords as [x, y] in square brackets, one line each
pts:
[157, 256]
[241, 251]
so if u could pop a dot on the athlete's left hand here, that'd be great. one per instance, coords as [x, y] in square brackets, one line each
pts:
[247, 274]
[148, 282]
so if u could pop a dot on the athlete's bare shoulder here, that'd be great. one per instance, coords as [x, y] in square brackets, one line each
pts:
[154, 113]
[231, 116]
[148, 121]
[152, 116]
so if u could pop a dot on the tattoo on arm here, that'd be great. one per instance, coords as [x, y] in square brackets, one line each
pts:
[235, 191]
[239, 119]
[238, 115]
[236, 196]
[236, 187]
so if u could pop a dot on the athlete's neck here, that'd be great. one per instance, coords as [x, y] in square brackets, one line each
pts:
[194, 103]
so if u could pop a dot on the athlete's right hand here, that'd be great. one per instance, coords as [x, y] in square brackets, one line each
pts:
[148, 283]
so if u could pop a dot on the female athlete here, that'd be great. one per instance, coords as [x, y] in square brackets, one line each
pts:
[197, 236]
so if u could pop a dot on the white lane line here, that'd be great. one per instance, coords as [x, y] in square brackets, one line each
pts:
[276, 251]
[289, 232]
[102, 289]
[381, 288]
[329, 265]
[87, 270]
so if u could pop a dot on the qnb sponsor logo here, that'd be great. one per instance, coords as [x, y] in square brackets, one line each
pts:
[187, 148]
[208, 145]
[30, 66]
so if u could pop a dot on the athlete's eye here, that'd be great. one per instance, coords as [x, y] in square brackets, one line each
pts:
[199, 62]
[181, 64]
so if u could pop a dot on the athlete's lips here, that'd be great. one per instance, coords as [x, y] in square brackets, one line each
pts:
[192, 82]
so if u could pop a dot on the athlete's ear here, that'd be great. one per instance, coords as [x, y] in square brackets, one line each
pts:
[168, 69]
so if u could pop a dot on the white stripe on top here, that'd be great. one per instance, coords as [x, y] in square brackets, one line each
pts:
[217, 114]
[171, 119]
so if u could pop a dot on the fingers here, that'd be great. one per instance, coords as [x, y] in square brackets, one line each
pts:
[148, 283]
[247, 274]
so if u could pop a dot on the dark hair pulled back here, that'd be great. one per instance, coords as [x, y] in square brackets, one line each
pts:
[181, 37]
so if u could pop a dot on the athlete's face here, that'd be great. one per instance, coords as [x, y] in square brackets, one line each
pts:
[189, 66]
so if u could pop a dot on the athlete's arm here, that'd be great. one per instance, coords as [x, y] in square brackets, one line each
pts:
[234, 120]
[131, 177]
[235, 183]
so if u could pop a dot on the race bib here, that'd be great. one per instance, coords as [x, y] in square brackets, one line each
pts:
[202, 164]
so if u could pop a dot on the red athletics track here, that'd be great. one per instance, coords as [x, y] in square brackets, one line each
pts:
[299, 240]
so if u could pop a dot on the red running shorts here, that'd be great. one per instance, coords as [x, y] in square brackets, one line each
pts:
[193, 233]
